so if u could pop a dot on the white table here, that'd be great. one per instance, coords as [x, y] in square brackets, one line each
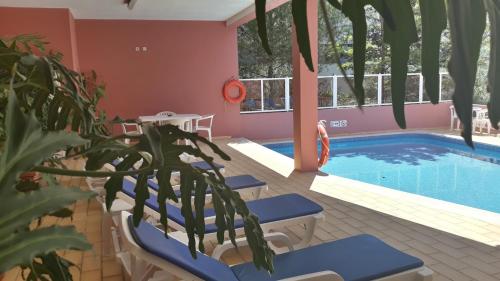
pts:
[178, 119]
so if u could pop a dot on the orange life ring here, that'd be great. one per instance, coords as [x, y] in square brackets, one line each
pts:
[325, 145]
[241, 88]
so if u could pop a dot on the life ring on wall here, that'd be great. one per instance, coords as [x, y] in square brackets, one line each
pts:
[241, 89]
[325, 144]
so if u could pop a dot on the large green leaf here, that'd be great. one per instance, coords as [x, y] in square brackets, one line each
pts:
[400, 38]
[433, 14]
[51, 265]
[493, 9]
[27, 145]
[467, 23]
[19, 209]
[23, 247]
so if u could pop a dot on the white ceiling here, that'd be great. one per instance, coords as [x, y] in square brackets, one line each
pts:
[212, 10]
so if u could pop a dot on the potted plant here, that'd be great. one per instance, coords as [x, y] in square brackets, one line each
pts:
[45, 108]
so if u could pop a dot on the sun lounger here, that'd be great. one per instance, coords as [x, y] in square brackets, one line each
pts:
[246, 183]
[175, 174]
[197, 164]
[274, 213]
[357, 258]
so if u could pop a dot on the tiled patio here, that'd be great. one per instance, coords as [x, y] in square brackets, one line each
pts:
[408, 226]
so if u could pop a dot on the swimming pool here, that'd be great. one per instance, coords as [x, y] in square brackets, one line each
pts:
[425, 164]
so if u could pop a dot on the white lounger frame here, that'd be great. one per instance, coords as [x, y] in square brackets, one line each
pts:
[145, 266]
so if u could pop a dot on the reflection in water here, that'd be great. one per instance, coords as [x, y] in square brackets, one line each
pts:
[428, 170]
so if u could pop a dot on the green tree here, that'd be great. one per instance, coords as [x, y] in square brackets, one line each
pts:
[254, 62]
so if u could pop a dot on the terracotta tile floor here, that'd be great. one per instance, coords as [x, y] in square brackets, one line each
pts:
[473, 254]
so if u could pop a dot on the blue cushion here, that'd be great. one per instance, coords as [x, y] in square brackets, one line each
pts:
[357, 258]
[268, 209]
[173, 212]
[276, 208]
[235, 183]
[205, 166]
[154, 241]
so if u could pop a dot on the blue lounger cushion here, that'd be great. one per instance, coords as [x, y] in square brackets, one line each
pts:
[358, 258]
[205, 166]
[153, 241]
[235, 183]
[268, 209]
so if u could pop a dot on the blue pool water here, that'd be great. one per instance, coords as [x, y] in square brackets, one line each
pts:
[424, 164]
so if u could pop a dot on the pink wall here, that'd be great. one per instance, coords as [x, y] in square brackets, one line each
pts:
[53, 24]
[183, 70]
[377, 118]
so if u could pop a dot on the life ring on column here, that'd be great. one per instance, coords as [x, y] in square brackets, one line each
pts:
[325, 144]
[241, 89]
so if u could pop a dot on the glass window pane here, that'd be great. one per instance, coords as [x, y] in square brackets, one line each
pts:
[274, 94]
[345, 97]
[371, 89]
[412, 88]
[386, 89]
[290, 86]
[325, 92]
[252, 101]
[447, 86]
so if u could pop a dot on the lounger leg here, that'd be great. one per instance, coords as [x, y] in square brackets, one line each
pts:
[425, 274]
[310, 227]
[257, 193]
[138, 268]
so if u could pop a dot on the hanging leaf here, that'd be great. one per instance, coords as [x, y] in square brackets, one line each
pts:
[494, 69]
[467, 23]
[299, 13]
[336, 4]
[400, 40]
[199, 204]
[433, 13]
[260, 12]
[355, 10]
[141, 195]
[187, 186]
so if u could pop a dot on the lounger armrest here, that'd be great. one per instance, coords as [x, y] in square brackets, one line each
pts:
[317, 276]
[242, 242]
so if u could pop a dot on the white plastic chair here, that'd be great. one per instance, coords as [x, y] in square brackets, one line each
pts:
[131, 129]
[207, 127]
[453, 117]
[481, 121]
[165, 113]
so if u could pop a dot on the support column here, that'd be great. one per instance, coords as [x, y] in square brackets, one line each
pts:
[305, 97]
